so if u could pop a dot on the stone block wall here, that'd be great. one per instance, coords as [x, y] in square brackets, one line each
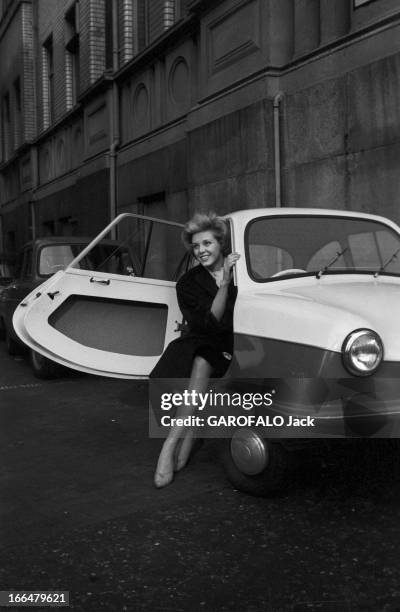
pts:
[341, 141]
[230, 161]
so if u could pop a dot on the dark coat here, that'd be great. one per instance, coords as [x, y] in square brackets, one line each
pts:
[204, 335]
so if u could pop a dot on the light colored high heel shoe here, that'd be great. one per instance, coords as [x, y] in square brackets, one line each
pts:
[162, 480]
[180, 464]
[164, 473]
[183, 455]
[189, 447]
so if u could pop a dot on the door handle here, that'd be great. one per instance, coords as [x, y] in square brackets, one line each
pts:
[101, 281]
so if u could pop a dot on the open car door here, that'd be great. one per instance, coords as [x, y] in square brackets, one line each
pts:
[110, 312]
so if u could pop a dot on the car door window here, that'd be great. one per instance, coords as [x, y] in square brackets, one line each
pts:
[144, 247]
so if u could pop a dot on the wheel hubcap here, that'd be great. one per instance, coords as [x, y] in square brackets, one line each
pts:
[249, 451]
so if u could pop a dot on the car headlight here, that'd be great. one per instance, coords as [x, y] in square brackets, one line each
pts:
[362, 352]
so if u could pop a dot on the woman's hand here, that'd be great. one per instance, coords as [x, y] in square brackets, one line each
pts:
[219, 302]
[229, 262]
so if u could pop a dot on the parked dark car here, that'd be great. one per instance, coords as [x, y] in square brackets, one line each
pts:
[38, 261]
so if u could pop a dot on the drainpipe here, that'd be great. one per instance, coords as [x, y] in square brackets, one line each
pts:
[34, 188]
[114, 136]
[33, 219]
[277, 149]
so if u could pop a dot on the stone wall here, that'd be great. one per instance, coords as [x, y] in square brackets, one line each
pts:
[230, 161]
[341, 141]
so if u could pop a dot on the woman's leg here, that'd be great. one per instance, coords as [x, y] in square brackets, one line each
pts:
[164, 474]
[199, 381]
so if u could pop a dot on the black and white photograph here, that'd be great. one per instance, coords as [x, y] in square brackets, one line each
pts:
[200, 305]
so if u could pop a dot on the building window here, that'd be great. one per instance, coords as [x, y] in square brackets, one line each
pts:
[140, 25]
[169, 17]
[49, 228]
[48, 82]
[150, 18]
[11, 243]
[72, 55]
[126, 30]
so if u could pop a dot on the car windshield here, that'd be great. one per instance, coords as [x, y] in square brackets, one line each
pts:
[110, 258]
[277, 247]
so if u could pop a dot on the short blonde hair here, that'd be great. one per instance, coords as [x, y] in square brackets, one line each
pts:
[203, 222]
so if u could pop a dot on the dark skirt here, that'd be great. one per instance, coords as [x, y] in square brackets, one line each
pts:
[177, 359]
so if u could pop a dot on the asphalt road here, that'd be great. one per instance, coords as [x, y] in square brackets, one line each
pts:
[79, 512]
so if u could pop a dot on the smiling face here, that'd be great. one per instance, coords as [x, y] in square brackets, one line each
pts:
[207, 250]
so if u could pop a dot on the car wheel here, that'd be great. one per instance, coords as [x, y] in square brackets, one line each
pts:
[12, 346]
[44, 368]
[255, 465]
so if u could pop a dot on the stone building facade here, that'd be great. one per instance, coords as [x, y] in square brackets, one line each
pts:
[166, 106]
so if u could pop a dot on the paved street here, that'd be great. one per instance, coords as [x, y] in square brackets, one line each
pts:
[79, 513]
